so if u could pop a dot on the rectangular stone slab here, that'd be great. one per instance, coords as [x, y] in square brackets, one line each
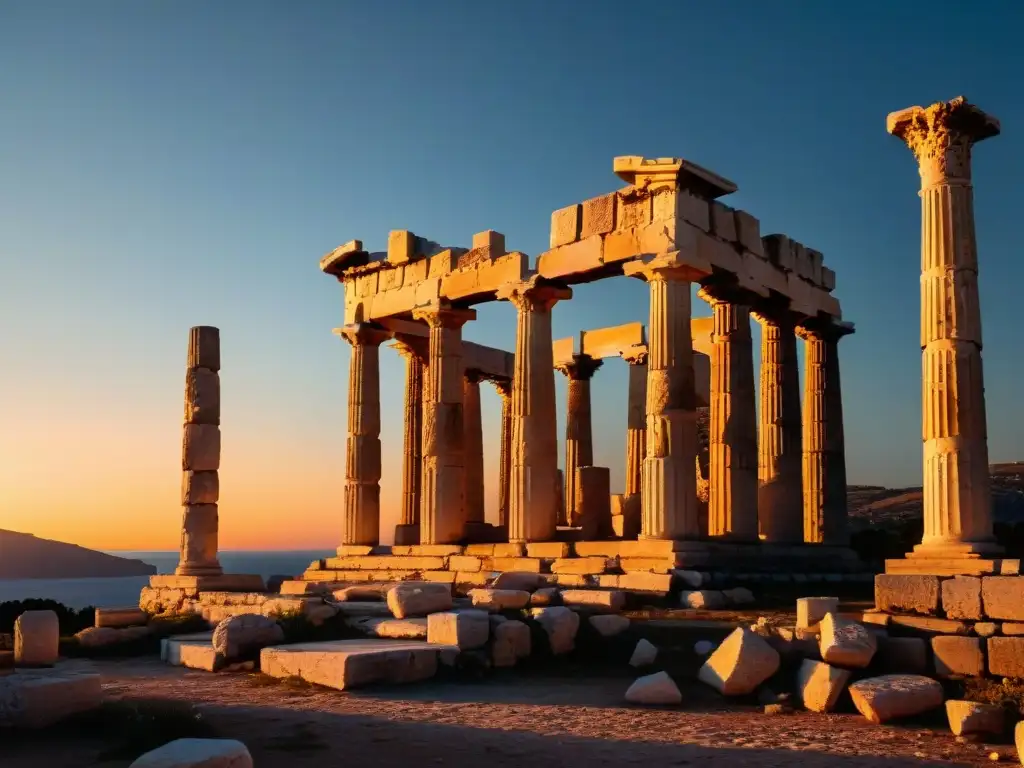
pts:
[345, 664]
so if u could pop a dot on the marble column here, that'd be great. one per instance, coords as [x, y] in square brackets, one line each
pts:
[732, 439]
[200, 487]
[824, 465]
[473, 444]
[504, 475]
[408, 529]
[780, 460]
[361, 524]
[533, 491]
[579, 435]
[957, 501]
[443, 489]
[670, 507]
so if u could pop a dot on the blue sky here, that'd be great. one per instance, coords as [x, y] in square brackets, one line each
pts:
[167, 164]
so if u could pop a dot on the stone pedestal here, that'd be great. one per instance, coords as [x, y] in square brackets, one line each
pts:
[533, 495]
[473, 445]
[732, 470]
[825, 506]
[779, 501]
[408, 529]
[443, 493]
[361, 524]
[200, 488]
[957, 503]
[669, 485]
[579, 439]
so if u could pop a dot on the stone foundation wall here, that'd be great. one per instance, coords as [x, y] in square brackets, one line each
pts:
[217, 606]
[975, 624]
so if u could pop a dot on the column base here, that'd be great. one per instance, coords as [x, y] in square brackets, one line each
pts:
[969, 558]
[407, 534]
[206, 569]
[226, 582]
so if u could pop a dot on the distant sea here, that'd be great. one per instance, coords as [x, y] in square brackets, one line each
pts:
[121, 591]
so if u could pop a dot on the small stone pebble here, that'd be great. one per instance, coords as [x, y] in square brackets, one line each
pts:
[994, 757]
[777, 709]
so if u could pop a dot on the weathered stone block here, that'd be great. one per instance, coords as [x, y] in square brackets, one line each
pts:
[345, 664]
[968, 718]
[36, 639]
[204, 347]
[464, 563]
[1003, 597]
[748, 233]
[598, 216]
[197, 753]
[201, 447]
[499, 599]
[633, 209]
[706, 599]
[199, 487]
[694, 210]
[519, 580]
[888, 697]
[957, 655]
[989, 628]
[1008, 628]
[39, 698]
[580, 565]
[811, 610]
[961, 597]
[202, 396]
[927, 625]
[565, 225]
[820, 685]
[522, 564]
[401, 246]
[248, 632]
[553, 549]
[512, 642]
[846, 643]
[658, 688]
[560, 624]
[418, 599]
[723, 222]
[1006, 656]
[599, 599]
[121, 617]
[644, 582]
[466, 629]
[740, 664]
[644, 654]
[915, 594]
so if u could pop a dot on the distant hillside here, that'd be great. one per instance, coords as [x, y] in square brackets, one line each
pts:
[23, 556]
[874, 506]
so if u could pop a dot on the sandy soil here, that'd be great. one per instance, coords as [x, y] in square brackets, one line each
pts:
[503, 721]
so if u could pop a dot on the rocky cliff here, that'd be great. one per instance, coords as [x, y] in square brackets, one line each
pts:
[23, 556]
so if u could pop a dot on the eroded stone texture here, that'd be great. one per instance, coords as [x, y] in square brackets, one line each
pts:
[957, 501]
[961, 597]
[512, 642]
[740, 664]
[885, 698]
[968, 718]
[811, 610]
[1003, 597]
[579, 438]
[780, 462]
[1006, 656]
[248, 632]
[36, 639]
[846, 643]
[820, 685]
[955, 655]
[418, 599]
[465, 629]
[560, 624]
[915, 594]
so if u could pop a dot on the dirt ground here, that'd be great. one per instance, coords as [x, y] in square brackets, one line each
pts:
[506, 720]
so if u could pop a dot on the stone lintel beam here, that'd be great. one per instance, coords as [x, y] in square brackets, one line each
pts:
[344, 258]
[600, 343]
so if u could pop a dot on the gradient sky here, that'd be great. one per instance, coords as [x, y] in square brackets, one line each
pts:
[169, 164]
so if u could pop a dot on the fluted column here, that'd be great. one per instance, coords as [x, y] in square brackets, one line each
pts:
[957, 501]
[825, 507]
[732, 439]
[200, 487]
[443, 491]
[474, 447]
[533, 492]
[361, 524]
[408, 529]
[504, 474]
[779, 499]
[579, 437]
[670, 507]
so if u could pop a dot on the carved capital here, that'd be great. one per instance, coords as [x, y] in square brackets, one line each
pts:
[503, 387]
[823, 329]
[535, 294]
[636, 355]
[581, 367]
[941, 137]
[443, 315]
[363, 334]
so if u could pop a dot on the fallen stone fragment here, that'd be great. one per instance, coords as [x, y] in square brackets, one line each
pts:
[560, 624]
[248, 632]
[100, 637]
[37, 698]
[609, 625]
[885, 698]
[739, 596]
[197, 753]
[511, 643]
[499, 599]
[846, 643]
[610, 600]
[820, 685]
[399, 629]
[708, 599]
[467, 629]
[406, 600]
[811, 610]
[969, 718]
[740, 664]
[36, 639]
[362, 593]
[644, 654]
[121, 617]
[546, 596]
[519, 580]
[658, 688]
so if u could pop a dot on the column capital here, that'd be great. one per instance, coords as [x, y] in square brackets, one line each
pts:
[503, 387]
[636, 355]
[580, 367]
[823, 329]
[363, 334]
[941, 136]
[443, 315]
[536, 293]
[773, 317]
[473, 376]
[407, 349]
[674, 265]
[721, 293]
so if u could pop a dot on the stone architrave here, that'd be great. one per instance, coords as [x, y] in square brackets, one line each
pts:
[533, 494]
[443, 493]
[473, 445]
[670, 507]
[361, 523]
[504, 475]
[780, 460]
[636, 440]
[733, 459]
[201, 456]
[408, 529]
[824, 446]
[957, 501]
[579, 436]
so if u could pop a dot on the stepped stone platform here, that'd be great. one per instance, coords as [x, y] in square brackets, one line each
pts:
[345, 664]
